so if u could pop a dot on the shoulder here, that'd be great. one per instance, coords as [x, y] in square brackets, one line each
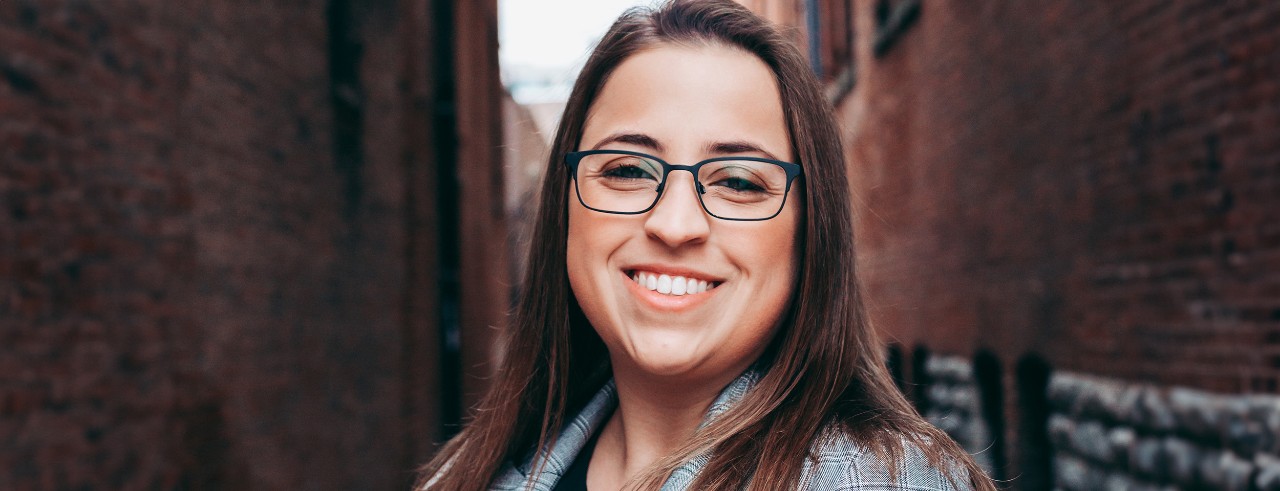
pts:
[838, 462]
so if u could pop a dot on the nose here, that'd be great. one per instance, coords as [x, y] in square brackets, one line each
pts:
[678, 219]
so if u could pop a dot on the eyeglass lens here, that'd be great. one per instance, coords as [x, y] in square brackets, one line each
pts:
[732, 189]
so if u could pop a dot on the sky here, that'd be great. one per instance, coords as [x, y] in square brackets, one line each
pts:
[543, 43]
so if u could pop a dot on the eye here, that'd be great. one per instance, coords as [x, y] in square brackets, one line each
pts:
[629, 167]
[736, 177]
[628, 172]
[738, 184]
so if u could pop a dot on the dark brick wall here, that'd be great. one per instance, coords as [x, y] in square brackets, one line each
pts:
[1096, 182]
[482, 268]
[1087, 189]
[218, 242]
[1095, 185]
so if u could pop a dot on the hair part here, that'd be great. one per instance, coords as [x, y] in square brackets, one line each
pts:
[826, 367]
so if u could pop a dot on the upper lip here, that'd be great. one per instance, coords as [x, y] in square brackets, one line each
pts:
[672, 271]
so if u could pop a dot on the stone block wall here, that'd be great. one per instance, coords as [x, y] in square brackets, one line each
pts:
[955, 406]
[1109, 434]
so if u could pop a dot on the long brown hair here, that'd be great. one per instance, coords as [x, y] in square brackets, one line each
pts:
[826, 367]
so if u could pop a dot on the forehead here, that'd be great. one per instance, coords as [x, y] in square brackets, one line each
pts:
[689, 96]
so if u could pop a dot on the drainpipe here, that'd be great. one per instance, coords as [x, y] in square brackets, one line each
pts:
[815, 37]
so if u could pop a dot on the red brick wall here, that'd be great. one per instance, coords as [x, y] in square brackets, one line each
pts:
[196, 288]
[482, 268]
[1098, 183]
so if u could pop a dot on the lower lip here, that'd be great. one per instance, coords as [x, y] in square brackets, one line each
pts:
[673, 303]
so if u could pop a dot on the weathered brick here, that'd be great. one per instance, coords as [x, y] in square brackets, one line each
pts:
[194, 293]
[1087, 183]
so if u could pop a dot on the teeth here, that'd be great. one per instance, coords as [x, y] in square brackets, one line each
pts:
[670, 285]
[664, 284]
[678, 285]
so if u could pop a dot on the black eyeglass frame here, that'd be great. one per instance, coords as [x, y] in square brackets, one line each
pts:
[572, 159]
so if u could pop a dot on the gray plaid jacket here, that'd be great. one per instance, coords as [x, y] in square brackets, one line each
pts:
[839, 464]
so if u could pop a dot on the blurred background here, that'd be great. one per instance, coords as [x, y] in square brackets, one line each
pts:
[270, 245]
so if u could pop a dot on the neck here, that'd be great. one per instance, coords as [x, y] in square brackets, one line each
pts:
[655, 416]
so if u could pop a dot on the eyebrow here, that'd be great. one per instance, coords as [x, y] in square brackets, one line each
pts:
[631, 138]
[719, 148]
[737, 147]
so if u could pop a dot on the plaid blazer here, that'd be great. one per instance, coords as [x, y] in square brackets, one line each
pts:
[839, 464]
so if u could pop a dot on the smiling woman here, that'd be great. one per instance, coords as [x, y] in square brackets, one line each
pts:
[684, 103]
[692, 318]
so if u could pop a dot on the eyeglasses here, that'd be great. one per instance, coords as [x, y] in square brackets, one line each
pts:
[729, 188]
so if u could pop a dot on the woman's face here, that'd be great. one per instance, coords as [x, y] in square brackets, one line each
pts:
[684, 105]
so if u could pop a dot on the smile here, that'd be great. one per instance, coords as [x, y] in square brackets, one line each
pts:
[671, 285]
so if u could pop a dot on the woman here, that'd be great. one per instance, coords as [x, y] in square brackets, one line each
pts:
[691, 318]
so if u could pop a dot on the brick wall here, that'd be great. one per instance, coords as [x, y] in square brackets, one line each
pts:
[1087, 188]
[525, 151]
[1097, 183]
[219, 241]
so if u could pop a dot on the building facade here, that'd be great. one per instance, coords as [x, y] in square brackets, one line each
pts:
[238, 245]
[1069, 228]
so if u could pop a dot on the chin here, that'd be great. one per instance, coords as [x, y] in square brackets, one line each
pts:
[668, 368]
[666, 363]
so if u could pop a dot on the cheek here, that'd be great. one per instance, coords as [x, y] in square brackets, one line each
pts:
[590, 240]
[577, 248]
[783, 241]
